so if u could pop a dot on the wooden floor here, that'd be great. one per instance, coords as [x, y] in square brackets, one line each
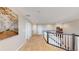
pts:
[37, 43]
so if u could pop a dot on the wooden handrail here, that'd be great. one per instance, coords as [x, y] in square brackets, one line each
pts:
[49, 31]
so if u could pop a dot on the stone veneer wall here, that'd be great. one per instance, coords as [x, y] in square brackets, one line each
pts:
[7, 22]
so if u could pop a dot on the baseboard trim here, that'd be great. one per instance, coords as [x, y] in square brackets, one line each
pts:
[21, 46]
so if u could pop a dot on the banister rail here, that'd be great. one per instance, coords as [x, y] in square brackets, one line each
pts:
[64, 40]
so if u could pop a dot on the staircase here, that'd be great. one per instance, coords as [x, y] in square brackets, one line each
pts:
[63, 41]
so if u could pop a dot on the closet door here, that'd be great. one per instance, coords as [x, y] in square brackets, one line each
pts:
[40, 29]
[28, 30]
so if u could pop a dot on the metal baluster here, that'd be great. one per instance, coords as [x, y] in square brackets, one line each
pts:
[48, 37]
[73, 43]
[65, 41]
[60, 39]
[68, 42]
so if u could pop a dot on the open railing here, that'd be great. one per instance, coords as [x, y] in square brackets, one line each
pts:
[64, 41]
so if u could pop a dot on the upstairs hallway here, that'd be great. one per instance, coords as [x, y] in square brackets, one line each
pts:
[37, 43]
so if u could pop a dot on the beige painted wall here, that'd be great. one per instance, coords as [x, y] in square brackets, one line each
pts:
[71, 27]
[38, 29]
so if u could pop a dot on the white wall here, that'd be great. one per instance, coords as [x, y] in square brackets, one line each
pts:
[15, 42]
[34, 29]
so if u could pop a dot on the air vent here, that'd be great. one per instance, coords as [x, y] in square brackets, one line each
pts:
[28, 15]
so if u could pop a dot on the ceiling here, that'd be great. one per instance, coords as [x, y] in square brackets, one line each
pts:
[50, 15]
